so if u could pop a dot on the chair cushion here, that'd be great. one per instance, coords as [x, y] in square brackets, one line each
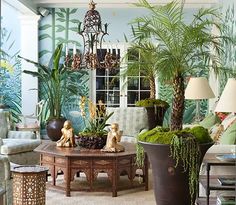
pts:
[20, 135]
[229, 136]
[131, 120]
[210, 120]
[14, 146]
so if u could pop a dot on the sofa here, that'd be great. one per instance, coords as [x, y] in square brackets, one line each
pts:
[16, 147]
[131, 120]
[223, 132]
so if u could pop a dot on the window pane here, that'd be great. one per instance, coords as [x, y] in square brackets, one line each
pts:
[144, 95]
[113, 97]
[133, 83]
[132, 97]
[101, 95]
[144, 84]
[114, 83]
[100, 83]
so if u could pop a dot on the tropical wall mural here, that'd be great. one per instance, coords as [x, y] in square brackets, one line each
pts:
[10, 74]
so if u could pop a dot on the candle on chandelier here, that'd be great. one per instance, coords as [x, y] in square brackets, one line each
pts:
[74, 49]
[67, 50]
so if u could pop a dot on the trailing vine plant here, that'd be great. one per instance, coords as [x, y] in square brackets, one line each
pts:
[185, 150]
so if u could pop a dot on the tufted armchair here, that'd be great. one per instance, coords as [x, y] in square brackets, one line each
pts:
[131, 121]
[17, 146]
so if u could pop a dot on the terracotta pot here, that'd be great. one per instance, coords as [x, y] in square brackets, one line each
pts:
[54, 127]
[170, 184]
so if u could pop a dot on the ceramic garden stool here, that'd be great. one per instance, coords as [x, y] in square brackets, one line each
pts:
[29, 185]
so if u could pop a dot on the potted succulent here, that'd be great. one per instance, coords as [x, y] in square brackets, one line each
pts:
[94, 134]
[183, 48]
[58, 83]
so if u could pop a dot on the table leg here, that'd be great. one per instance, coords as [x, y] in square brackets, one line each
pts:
[208, 183]
[146, 173]
[68, 173]
[114, 179]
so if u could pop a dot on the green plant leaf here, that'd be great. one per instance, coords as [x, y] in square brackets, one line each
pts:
[61, 19]
[43, 36]
[73, 11]
[75, 29]
[62, 10]
[45, 27]
[60, 28]
[75, 21]
[60, 14]
[43, 52]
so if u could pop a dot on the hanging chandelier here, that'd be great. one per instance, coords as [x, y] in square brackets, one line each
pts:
[92, 56]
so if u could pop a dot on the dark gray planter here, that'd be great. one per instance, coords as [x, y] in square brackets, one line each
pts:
[171, 185]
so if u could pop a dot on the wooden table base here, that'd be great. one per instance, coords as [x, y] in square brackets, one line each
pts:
[72, 161]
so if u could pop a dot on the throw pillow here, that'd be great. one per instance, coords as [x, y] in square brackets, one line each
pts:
[210, 120]
[216, 131]
[229, 136]
[228, 120]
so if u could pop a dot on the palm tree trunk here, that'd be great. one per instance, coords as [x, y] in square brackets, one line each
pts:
[152, 87]
[178, 103]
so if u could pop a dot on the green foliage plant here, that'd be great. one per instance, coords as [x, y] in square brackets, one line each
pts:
[183, 49]
[184, 148]
[152, 102]
[97, 121]
[58, 82]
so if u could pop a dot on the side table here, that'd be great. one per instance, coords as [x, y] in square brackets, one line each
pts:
[209, 181]
[29, 185]
[2, 192]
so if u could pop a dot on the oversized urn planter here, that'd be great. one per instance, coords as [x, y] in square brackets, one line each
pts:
[54, 127]
[171, 185]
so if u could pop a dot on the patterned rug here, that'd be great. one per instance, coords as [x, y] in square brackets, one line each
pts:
[135, 196]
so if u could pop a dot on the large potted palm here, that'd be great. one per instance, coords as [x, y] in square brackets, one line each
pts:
[142, 57]
[58, 84]
[176, 154]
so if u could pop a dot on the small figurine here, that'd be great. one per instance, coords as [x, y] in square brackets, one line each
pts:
[113, 137]
[67, 138]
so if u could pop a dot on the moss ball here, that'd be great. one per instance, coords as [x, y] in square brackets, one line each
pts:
[202, 135]
[152, 102]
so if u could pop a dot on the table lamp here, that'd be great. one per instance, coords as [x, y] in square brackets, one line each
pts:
[227, 101]
[197, 89]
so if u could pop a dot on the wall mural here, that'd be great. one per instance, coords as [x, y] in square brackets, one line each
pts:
[10, 74]
[60, 27]
[229, 56]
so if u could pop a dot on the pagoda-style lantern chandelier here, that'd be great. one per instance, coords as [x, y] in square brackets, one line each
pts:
[92, 33]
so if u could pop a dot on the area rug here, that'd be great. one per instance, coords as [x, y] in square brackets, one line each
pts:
[135, 196]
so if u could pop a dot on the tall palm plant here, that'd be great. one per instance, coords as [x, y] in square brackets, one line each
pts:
[142, 59]
[182, 47]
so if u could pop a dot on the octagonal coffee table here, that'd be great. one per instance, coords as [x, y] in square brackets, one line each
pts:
[72, 161]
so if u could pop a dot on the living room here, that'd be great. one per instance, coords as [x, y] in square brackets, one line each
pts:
[155, 72]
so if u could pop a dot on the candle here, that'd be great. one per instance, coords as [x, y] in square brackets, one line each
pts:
[74, 49]
[66, 50]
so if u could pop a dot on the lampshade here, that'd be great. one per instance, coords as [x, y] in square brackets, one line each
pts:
[198, 88]
[227, 101]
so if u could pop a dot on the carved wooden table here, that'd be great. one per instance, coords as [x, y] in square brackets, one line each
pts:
[72, 161]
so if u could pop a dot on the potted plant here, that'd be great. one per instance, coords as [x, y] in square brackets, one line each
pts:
[156, 109]
[183, 48]
[94, 134]
[142, 57]
[58, 83]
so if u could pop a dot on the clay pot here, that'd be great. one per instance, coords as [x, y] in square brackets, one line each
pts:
[54, 127]
[171, 185]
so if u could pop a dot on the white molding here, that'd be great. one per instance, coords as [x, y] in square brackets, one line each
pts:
[25, 7]
[117, 3]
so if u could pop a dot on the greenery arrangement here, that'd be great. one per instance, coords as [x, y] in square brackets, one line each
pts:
[183, 49]
[152, 102]
[96, 124]
[58, 83]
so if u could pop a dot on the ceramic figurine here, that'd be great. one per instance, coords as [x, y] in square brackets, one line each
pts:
[113, 137]
[68, 137]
